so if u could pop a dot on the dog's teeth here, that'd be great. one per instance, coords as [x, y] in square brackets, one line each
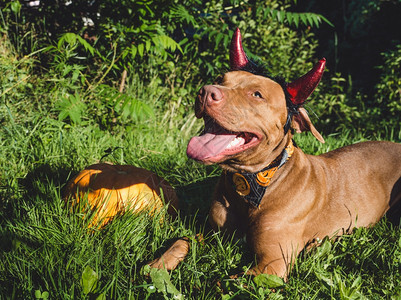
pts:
[239, 140]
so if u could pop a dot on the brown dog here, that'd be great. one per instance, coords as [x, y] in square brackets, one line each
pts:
[280, 197]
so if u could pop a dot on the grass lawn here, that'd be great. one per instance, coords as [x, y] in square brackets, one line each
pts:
[46, 251]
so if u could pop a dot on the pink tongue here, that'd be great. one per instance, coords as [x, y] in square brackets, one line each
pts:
[208, 145]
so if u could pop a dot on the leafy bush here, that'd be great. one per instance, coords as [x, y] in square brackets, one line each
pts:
[387, 102]
[338, 108]
[286, 52]
[16, 83]
[172, 47]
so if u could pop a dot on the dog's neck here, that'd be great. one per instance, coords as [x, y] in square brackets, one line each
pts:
[252, 186]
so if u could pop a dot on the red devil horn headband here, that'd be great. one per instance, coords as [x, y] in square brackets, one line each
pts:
[299, 90]
[302, 88]
[238, 57]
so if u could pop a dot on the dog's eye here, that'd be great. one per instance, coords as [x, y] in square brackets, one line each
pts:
[257, 94]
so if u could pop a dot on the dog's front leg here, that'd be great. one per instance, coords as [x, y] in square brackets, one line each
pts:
[222, 218]
[275, 253]
[173, 256]
[267, 265]
[227, 216]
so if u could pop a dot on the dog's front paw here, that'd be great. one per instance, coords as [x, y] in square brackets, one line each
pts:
[173, 256]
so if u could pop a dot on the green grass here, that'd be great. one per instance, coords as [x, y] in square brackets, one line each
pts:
[45, 247]
[46, 250]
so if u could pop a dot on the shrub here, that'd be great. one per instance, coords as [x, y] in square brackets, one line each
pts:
[95, 54]
[286, 51]
[386, 106]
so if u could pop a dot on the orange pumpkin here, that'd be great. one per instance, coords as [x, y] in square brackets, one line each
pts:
[115, 189]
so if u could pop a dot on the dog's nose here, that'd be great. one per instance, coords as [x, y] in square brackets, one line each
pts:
[209, 95]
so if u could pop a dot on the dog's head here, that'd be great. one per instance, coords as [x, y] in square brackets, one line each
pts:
[247, 116]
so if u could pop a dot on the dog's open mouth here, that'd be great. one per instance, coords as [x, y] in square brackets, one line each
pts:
[215, 143]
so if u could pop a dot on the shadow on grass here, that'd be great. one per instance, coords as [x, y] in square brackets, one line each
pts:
[38, 181]
[195, 198]
[35, 189]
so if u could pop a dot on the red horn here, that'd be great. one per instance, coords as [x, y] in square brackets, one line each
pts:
[302, 88]
[238, 57]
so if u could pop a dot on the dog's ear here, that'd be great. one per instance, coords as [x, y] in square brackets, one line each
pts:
[301, 123]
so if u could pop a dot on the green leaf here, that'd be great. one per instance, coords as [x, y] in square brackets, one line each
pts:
[101, 296]
[274, 13]
[289, 18]
[258, 10]
[296, 19]
[181, 13]
[130, 108]
[89, 280]
[40, 295]
[218, 39]
[326, 20]
[16, 7]
[225, 41]
[140, 50]
[147, 45]
[71, 106]
[162, 282]
[168, 43]
[324, 248]
[86, 45]
[266, 12]
[74, 40]
[280, 16]
[303, 19]
[317, 21]
[211, 34]
[133, 51]
[70, 38]
[268, 281]
[311, 19]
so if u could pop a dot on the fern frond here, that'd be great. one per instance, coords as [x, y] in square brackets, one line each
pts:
[182, 14]
[295, 18]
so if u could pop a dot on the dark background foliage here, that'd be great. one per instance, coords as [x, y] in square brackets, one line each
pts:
[183, 44]
[362, 31]
[364, 47]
